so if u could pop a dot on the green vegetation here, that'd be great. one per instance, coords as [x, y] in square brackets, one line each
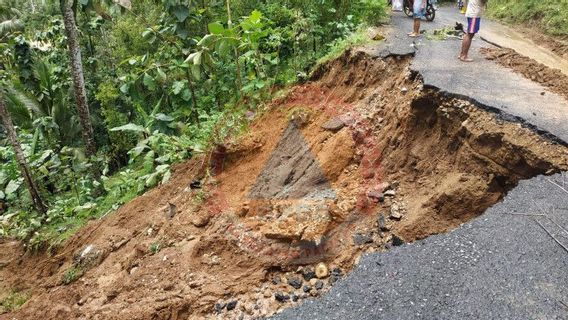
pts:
[13, 301]
[155, 248]
[72, 274]
[159, 82]
[550, 15]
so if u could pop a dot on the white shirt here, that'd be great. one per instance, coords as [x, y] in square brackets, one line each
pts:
[474, 9]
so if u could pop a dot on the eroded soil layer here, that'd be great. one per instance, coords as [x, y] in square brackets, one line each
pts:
[357, 160]
[553, 79]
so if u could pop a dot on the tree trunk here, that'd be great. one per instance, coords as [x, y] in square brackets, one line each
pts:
[68, 11]
[21, 159]
[78, 78]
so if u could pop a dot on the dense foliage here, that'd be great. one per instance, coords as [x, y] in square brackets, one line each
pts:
[166, 80]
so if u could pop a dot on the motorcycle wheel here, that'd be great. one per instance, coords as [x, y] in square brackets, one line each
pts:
[408, 10]
[430, 13]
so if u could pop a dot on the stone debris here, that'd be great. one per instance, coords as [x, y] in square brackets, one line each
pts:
[201, 220]
[281, 297]
[295, 283]
[361, 239]
[333, 125]
[395, 212]
[382, 224]
[322, 271]
[170, 211]
[397, 241]
[232, 305]
[390, 193]
[308, 274]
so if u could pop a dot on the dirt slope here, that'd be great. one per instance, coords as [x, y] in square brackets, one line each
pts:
[356, 160]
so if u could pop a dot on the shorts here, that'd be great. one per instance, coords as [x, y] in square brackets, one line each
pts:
[473, 25]
[417, 10]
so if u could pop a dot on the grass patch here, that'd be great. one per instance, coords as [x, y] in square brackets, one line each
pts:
[358, 38]
[155, 247]
[550, 15]
[71, 275]
[13, 301]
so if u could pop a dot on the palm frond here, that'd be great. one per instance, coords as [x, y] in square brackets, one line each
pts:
[25, 99]
[21, 116]
[10, 26]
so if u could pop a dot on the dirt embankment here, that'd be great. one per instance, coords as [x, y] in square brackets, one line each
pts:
[358, 160]
[553, 79]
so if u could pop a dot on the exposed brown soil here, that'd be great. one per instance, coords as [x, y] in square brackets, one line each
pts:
[558, 45]
[553, 79]
[405, 161]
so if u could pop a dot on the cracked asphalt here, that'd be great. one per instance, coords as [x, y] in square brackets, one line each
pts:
[504, 264]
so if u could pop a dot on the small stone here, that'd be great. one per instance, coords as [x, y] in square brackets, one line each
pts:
[390, 193]
[376, 196]
[267, 293]
[337, 272]
[88, 257]
[404, 90]
[306, 288]
[334, 125]
[333, 279]
[319, 285]
[195, 184]
[308, 274]
[313, 281]
[231, 305]
[321, 270]
[295, 283]
[314, 292]
[382, 224]
[281, 297]
[201, 220]
[276, 280]
[170, 211]
[361, 239]
[219, 306]
[294, 297]
[395, 212]
[397, 241]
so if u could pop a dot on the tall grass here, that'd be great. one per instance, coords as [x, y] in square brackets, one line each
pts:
[550, 15]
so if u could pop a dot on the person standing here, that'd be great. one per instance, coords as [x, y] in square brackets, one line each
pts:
[473, 14]
[419, 12]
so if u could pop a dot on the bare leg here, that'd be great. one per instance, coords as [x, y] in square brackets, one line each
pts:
[417, 26]
[466, 44]
[416, 30]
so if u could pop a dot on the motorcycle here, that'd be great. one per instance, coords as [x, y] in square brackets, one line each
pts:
[430, 9]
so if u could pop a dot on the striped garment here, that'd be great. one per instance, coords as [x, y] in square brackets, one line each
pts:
[473, 25]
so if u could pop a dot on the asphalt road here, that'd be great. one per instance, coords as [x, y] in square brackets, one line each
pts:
[499, 266]
[483, 82]
[502, 265]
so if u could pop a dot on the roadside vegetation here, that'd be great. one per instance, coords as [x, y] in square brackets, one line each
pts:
[549, 15]
[100, 98]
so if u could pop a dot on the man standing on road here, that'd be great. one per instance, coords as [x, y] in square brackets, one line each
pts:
[473, 14]
[419, 11]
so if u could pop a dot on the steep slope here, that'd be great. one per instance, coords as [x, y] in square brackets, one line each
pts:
[359, 159]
